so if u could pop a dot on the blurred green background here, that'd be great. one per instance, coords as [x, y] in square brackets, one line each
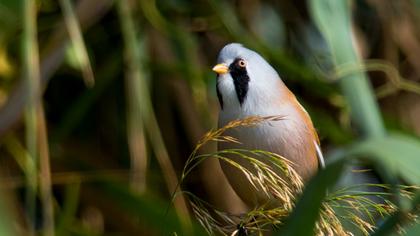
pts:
[101, 102]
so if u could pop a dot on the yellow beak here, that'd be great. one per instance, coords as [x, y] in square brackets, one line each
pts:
[220, 69]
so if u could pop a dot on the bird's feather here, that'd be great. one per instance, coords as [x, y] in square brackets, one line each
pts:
[293, 137]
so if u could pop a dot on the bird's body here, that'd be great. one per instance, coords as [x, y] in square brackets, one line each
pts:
[249, 86]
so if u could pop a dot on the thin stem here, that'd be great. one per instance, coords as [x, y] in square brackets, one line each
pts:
[78, 44]
[133, 83]
[36, 134]
[32, 75]
[45, 174]
[150, 122]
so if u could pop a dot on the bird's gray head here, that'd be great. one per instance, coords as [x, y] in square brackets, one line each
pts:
[241, 72]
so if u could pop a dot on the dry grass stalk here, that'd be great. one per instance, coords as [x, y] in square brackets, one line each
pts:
[357, 206]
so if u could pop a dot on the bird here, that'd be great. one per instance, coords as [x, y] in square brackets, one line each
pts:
[247, 85]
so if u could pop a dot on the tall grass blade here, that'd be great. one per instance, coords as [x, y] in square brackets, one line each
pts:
[133, 83]
[332, 17]
[77, 42]
[36, 134]
[154, 134]
[45, 182]
[30, 58]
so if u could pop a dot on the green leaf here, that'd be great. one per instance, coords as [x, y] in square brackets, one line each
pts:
[398, 153]
[332, 17]
[303, 218]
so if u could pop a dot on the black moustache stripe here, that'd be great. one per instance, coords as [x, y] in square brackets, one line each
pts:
[240, 80]
[219, 95]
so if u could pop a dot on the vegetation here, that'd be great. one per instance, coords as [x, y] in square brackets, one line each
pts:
[103, 102]
[350, 205]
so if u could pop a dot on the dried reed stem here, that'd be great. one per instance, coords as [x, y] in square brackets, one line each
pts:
[150, 123]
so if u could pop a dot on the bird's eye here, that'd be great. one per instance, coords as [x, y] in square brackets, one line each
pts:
[242, 63]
